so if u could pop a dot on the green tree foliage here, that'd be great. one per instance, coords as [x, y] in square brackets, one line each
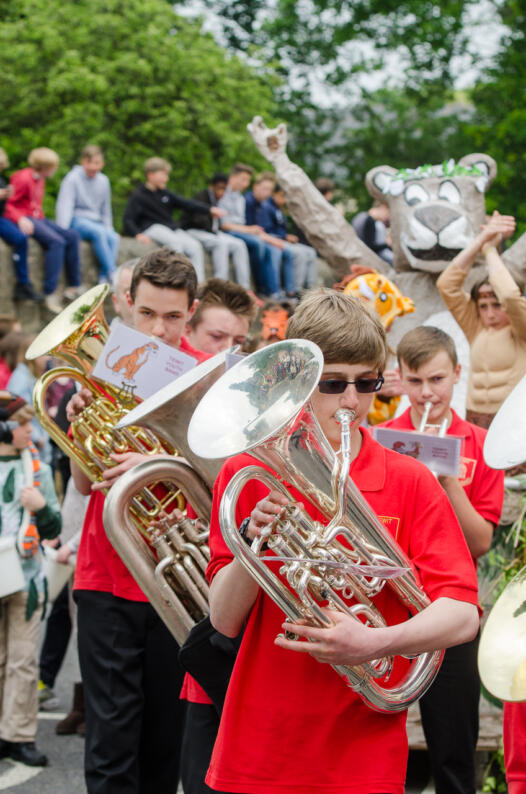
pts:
[325, 48]
[134, 78]
[499, 124]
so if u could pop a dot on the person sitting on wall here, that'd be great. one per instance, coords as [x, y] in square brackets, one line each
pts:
[84, 204]
[149, 214]
[217, 243]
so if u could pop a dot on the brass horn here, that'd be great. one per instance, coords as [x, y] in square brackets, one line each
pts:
[173, 574]
[78, 336]
[265, 411]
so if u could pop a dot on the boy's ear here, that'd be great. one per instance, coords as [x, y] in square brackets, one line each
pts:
[192, 308]
[129, 298]
[458, 369]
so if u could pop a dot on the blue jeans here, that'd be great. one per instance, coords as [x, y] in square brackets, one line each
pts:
[263, 269]
[283, 265]
[12, 235]
[59, 245]
[104, 239]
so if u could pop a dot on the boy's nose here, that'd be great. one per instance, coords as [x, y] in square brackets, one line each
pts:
[158, 329]
[349, 398]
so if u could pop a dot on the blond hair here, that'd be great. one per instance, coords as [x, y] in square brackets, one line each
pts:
[345, 330]
[156, 164]
[265, 176]
[4, 159]
[42, 158]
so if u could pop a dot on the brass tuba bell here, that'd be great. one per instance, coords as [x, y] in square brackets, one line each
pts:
[173, 577]
[265, 411]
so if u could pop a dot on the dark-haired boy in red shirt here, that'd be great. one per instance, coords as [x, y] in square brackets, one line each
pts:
[290, 724]
[128, 657]
[429, 370]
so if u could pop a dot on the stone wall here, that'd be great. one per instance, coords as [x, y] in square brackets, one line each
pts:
[34, 317]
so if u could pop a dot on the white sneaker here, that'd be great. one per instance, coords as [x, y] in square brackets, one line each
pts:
[53, 303]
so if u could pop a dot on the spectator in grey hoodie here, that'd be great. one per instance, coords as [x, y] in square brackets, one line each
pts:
[84, 204]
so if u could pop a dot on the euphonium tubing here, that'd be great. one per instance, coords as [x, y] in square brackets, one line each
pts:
[265, 412]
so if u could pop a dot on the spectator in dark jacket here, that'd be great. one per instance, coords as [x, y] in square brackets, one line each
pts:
[304, 256]
[257, 213]
[148, 214]
[205, 228]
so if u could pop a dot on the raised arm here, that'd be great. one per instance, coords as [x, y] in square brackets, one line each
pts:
[506, 290]
[326, 229]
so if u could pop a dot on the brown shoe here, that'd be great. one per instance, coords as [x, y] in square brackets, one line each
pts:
[75, 718]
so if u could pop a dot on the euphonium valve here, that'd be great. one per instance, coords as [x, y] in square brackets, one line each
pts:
[345, 560]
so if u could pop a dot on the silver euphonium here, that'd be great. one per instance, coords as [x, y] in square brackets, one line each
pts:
[264, 410]
[170, 567]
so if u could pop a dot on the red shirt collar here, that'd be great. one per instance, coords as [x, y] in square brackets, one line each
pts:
[199, 355]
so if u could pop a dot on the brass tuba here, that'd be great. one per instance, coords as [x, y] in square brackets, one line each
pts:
[265, 411]
[174, 577]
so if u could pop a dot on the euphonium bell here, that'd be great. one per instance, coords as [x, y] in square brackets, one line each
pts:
[265, 411]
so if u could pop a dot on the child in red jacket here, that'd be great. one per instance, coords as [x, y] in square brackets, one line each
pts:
[24, 208]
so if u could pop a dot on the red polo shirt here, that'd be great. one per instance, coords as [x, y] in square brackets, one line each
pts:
[290, 724]
[484, 486]
[28, 192]
[514, 730]
[99, 567]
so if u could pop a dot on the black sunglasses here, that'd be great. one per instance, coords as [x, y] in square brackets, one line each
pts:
[362, 385]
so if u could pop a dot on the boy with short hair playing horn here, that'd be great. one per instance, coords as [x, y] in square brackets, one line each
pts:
[289, 723]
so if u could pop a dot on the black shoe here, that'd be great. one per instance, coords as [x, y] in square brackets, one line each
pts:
[4, 748]
[26, 753]
[26, 292]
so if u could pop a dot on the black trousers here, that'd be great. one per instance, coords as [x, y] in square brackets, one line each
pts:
[132, 681]
[450, 719]
[202, 724]
[56, 638]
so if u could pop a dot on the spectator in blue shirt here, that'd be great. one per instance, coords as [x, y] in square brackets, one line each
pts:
[258, 212]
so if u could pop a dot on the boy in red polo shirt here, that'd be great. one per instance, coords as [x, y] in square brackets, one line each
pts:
[429, 370]
[128, 658]
[290, 724]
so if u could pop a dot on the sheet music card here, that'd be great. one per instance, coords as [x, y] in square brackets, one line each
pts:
[138, 364]
[440, 454]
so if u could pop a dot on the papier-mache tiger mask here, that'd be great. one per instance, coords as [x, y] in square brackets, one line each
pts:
[436, 210]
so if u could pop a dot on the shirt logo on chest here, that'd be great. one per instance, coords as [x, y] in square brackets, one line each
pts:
[466, 470]
[391, 523]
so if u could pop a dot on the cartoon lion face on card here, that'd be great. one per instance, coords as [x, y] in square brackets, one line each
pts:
[436, 210]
